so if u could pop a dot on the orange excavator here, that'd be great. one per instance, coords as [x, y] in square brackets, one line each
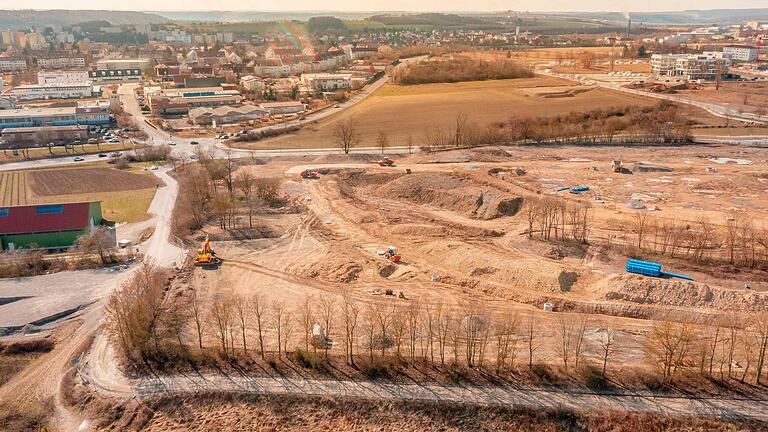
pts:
[206, 257]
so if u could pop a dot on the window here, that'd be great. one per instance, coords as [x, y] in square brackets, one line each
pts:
[4, 212]
[49, 209]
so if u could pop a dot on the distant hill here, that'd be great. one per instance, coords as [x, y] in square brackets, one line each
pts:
[243, 16]
[694, 17]
[21, 19]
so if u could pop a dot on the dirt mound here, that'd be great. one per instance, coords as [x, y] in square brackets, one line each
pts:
[508, 272]
[676, 292]
[336, 271]
[451, 192]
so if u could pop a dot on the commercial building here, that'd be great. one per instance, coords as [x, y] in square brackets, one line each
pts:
[45, 134]
[122, 64]
[180, 101]
[59, 62]
[744, 53]
[115, 75]
[12, 64]
[690, 67]
[96, 114]
[48, 226]
[277, 108]
[225, 115]
[57, 90]
[252, 84]
[52, 77]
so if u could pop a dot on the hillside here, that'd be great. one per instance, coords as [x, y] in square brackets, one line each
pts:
[21, 19]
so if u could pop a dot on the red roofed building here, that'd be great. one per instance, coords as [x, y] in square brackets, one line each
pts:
[50, 226]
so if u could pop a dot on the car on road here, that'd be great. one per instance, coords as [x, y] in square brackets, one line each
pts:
[113, 140]
[194, 142]
[171, 142]
[102, 155]
[193, 157]
[336, 105]
[153, 167]
[92, 141]
[126, 130]
[79, 159]
[115, 154]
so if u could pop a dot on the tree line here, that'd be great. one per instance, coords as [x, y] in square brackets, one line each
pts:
[456, 68]
[148, 325]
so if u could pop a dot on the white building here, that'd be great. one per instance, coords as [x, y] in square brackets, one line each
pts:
[52, 77]
[251, 83]
[744, 53]
[327, 81]
[690, 67]
[51, 91]
[12, 64]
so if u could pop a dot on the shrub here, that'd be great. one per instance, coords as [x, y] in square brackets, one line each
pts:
[310, 360]
[594, 378]
[30, 346]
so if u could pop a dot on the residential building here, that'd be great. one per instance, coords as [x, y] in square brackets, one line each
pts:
[12, 64]
[57, 90]
[278, 108]
[252, 84]
[226, 114]
[94, 113]
[180, 101]
[744, 53]
[48, 226]
[60, 62]
[122, 64]
[51, 77]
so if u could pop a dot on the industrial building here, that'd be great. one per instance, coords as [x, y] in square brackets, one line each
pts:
[115, 75]
[48, 226]
[96, 114]
[180, 101]
[52, 77]
[56, 90]
[277, 108]
[226, 114]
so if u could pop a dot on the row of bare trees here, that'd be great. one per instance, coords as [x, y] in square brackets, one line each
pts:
[147, 325]
[738, 242]
[554, 218]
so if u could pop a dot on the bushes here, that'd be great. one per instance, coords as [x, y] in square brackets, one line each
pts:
[310, 360]
[25, 347]
[458, 69]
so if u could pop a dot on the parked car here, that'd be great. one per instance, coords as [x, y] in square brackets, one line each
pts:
[193, 157]
[102, 155]
[194, 142]
[153, 167]
[79, 159]
[92, 141]
[115, 154]
[114, 140]
[171, 142]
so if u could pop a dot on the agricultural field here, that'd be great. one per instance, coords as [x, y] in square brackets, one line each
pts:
[411, 111]
[125, 195]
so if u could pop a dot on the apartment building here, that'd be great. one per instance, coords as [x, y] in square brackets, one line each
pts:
[12, 64]
[60, 62]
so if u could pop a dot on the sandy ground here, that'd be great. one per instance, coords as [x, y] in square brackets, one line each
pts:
[358, 209]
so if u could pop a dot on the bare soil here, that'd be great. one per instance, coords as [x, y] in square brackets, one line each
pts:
[87, 180]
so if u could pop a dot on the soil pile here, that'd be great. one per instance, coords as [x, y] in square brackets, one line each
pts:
[676, 292]
[451, 192]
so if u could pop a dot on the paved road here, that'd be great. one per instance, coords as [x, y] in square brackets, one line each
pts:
[714, 109]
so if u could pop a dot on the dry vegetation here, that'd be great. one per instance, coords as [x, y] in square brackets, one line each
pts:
[87, 180]
[239, 412]
[457, 69]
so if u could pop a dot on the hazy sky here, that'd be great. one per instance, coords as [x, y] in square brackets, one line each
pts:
[383, 5]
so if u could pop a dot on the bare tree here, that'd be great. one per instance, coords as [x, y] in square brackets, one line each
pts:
[413, 319]
[668, 344]
[241, 315]
[259, 311]
[505, 331]
[196, 312]
[306, 316]
[327, 312]
[382, 140]
[278, 315]
[533, 341]
[245, 182]
[99, 241]
[607, 345]
[220, 316]
[346, 135]
[760, 328]
[350, 313]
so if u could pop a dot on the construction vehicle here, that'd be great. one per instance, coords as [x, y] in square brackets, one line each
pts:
[206, 257]
[386, 162]
[310, 174]
[616, 166]
[391, 254]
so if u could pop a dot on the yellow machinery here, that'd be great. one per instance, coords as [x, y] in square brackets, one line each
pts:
[206, 256]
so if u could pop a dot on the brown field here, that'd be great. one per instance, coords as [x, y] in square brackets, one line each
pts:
[88, 180]
[410, 111]
[13, 188]
[732, 95]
